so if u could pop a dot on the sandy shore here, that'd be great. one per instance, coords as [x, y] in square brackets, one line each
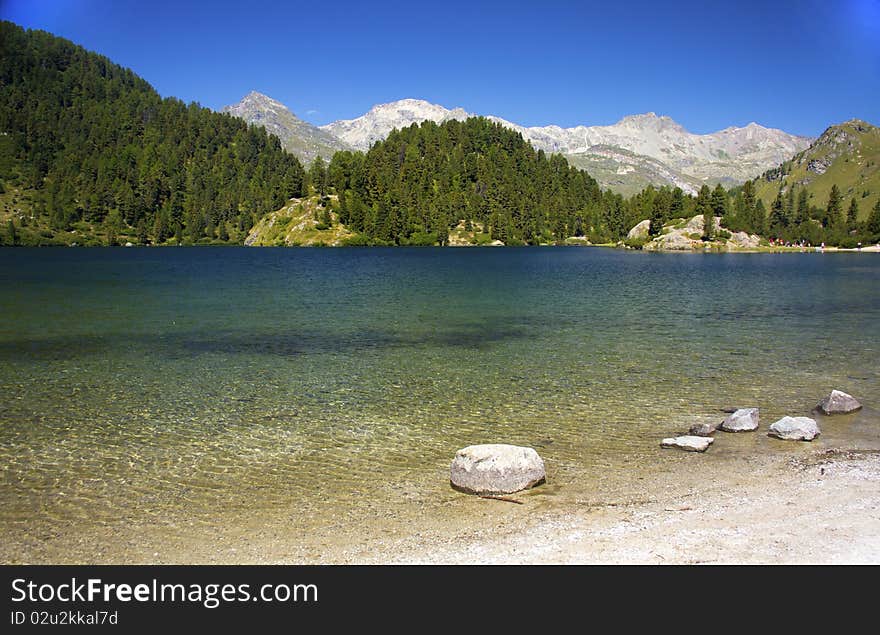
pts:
[749, 499]
[824, 508]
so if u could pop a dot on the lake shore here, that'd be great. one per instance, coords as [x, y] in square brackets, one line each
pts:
[800, 503]
[824, 508]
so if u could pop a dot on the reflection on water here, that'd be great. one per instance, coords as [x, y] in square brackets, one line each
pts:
[168, 387]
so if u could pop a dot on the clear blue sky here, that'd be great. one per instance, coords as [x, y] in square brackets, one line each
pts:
[798, 65]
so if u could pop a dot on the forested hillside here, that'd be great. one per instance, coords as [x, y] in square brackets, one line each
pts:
[90, 152]
[418, 183]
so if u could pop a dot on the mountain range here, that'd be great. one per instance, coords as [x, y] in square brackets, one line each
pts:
[636, 151]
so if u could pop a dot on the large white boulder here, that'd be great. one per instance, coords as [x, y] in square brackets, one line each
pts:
[641, 230]
[496, 468]
[743, 420]
[794, 429]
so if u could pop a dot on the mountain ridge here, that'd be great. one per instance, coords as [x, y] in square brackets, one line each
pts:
[297, 136]
[846, 154]
[731, 155]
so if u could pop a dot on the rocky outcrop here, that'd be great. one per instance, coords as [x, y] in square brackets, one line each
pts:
[675, 240]
[838, 403]
[688, 443]
[794, 429]
[688, 237]
[496, 468]
[743, 420]
[639, 231]
[742, 240]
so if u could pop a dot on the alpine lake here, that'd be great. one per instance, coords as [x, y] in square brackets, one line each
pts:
[190, 404]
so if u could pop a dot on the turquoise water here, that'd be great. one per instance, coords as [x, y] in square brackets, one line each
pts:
[150, 385]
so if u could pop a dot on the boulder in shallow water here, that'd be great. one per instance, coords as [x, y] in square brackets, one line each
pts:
[794, 429]
[688, 443]
[743, 420]
[704, 429]
[838, 403]
[496, 468]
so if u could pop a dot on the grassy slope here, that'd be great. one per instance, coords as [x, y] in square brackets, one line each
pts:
[296, 224]
[855, 169]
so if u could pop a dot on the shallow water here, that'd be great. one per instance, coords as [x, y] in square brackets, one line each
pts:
[175, 388]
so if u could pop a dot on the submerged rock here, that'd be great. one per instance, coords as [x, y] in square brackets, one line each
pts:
[688, 443]
[496, 468]
[794, 429]
[838, 403]
[704, 429]
[743, 420]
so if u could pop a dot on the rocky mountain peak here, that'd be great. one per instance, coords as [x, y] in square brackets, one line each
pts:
[297, 136]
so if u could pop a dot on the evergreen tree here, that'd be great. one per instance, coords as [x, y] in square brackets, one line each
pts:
[658, 217]
[719, 201]
[112, 226]
[873, 224]
[676, 206]
[777, 220]
[704, 208]
[802, 215]
[224, 233]
[834, 210]
[11, 233]
[789, 206]
[142, 232]
[852, 215]
[318, 176]
[758, 224]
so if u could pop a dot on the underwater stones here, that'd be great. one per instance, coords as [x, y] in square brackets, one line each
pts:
[794, 429]
[688, 443]
[743, 420]
[703, 429]
[838, 403]
[496, 468]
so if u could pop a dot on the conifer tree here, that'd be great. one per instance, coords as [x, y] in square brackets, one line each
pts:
[790, 199]
[719, 201]
[658, 217]
[802, 215]
[777, 219]
[873, 224]
[834, 209]
[758, 223]
[852, 215]
[704, 208]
